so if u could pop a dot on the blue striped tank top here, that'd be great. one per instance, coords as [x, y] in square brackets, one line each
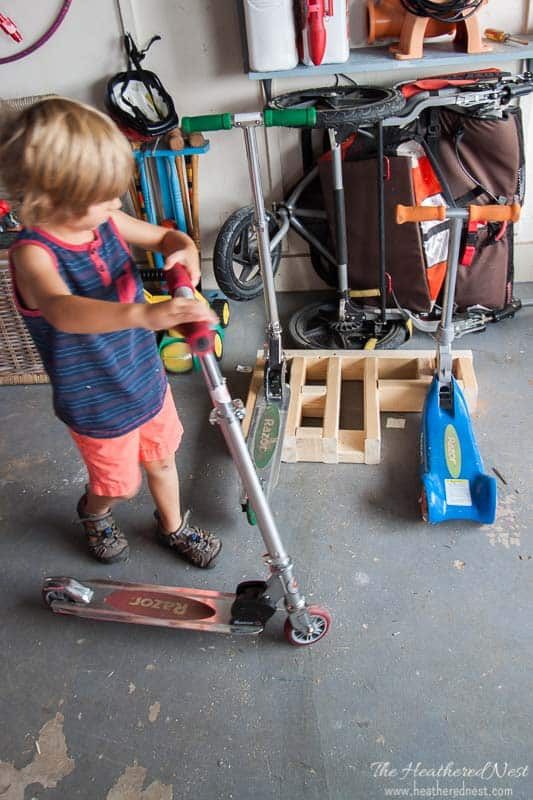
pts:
[104, 384]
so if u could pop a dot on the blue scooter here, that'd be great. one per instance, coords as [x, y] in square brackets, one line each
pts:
[454, 483]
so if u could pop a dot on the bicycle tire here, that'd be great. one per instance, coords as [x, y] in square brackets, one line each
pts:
[42, 39]
[346, 106]
[311, 328]
[237, 225]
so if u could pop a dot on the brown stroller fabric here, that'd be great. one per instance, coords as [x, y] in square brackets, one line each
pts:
[480, 161]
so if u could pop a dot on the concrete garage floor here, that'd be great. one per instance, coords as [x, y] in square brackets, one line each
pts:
[428, 661]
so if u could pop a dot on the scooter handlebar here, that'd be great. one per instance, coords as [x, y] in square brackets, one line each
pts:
[495, 213]
[489, 213]
[271, 118]
[419, 213]
[208, 122]
[289, 117]
[198, 335]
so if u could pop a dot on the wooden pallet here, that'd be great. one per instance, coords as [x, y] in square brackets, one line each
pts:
[391, 380]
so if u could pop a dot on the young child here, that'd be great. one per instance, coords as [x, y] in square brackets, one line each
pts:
[81, 297]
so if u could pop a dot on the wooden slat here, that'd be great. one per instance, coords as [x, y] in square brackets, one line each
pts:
[294, 414]
[372, 423]
[332, 411]
[255, 385]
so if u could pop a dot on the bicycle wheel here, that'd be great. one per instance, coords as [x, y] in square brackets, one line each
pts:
[346, 106]
[317, 327]
[236, 257]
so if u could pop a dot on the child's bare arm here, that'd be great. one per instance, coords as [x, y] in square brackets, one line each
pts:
[42, 288]
[176, 246]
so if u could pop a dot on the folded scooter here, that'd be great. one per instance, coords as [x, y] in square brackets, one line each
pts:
[454, 483]
[268, 422]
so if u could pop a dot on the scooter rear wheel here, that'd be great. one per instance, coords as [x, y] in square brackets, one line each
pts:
[322, 622]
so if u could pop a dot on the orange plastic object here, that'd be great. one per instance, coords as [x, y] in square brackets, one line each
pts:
[386, 17]
[502, 36]
[414, 29]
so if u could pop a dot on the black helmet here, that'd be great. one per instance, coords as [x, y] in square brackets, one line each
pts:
[137, 100]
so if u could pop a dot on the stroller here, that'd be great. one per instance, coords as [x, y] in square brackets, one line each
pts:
[366, 125]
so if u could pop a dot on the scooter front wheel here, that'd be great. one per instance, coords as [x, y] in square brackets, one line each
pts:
[321, 621]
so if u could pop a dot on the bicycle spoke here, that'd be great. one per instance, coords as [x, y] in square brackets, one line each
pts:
[248, 271]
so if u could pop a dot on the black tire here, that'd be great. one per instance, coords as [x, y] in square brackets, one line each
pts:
[222, 310]
[312, 327]
[344, 106]
[236, 245]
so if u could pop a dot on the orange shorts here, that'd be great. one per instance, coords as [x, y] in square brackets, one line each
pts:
[114, 464]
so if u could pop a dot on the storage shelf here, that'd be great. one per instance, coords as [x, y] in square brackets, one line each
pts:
[379, 59]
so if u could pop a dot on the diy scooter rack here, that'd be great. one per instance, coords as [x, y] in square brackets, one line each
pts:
[254, 602]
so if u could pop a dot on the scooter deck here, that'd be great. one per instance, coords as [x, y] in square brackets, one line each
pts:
[454, 484]
[147, 604]
[266, 435]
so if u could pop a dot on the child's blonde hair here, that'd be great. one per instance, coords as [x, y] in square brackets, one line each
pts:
[58, 157]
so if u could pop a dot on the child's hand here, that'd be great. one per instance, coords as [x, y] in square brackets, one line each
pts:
[175, 312]
[188, 256]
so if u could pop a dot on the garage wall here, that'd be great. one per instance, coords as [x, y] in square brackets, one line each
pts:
[199, 61]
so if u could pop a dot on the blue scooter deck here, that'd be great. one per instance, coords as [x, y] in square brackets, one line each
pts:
[454, 484]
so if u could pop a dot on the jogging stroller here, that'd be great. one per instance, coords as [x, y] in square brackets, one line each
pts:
[382, 288]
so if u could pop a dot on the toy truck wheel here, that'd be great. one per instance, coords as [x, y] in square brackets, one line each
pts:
[222, 310]
[177, 358]
[218, 346]
[321, 623]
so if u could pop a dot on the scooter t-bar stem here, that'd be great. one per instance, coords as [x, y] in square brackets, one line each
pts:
[200, 339]
[282, 118]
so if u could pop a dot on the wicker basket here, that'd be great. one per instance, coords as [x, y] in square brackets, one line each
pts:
[19, 360]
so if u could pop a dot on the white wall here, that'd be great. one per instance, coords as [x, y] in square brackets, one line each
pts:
[199, 61]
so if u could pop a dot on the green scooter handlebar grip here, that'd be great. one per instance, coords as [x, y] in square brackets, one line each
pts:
[290, 118]
[209, 122]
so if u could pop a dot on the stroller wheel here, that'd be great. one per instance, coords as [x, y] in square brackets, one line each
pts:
[236, 257]
[316, 327]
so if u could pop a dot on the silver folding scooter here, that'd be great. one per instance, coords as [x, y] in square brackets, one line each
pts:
[248, 609]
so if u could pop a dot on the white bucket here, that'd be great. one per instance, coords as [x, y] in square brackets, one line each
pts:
[271, 35]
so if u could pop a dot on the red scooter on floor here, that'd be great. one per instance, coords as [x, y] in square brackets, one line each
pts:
[248, 609]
